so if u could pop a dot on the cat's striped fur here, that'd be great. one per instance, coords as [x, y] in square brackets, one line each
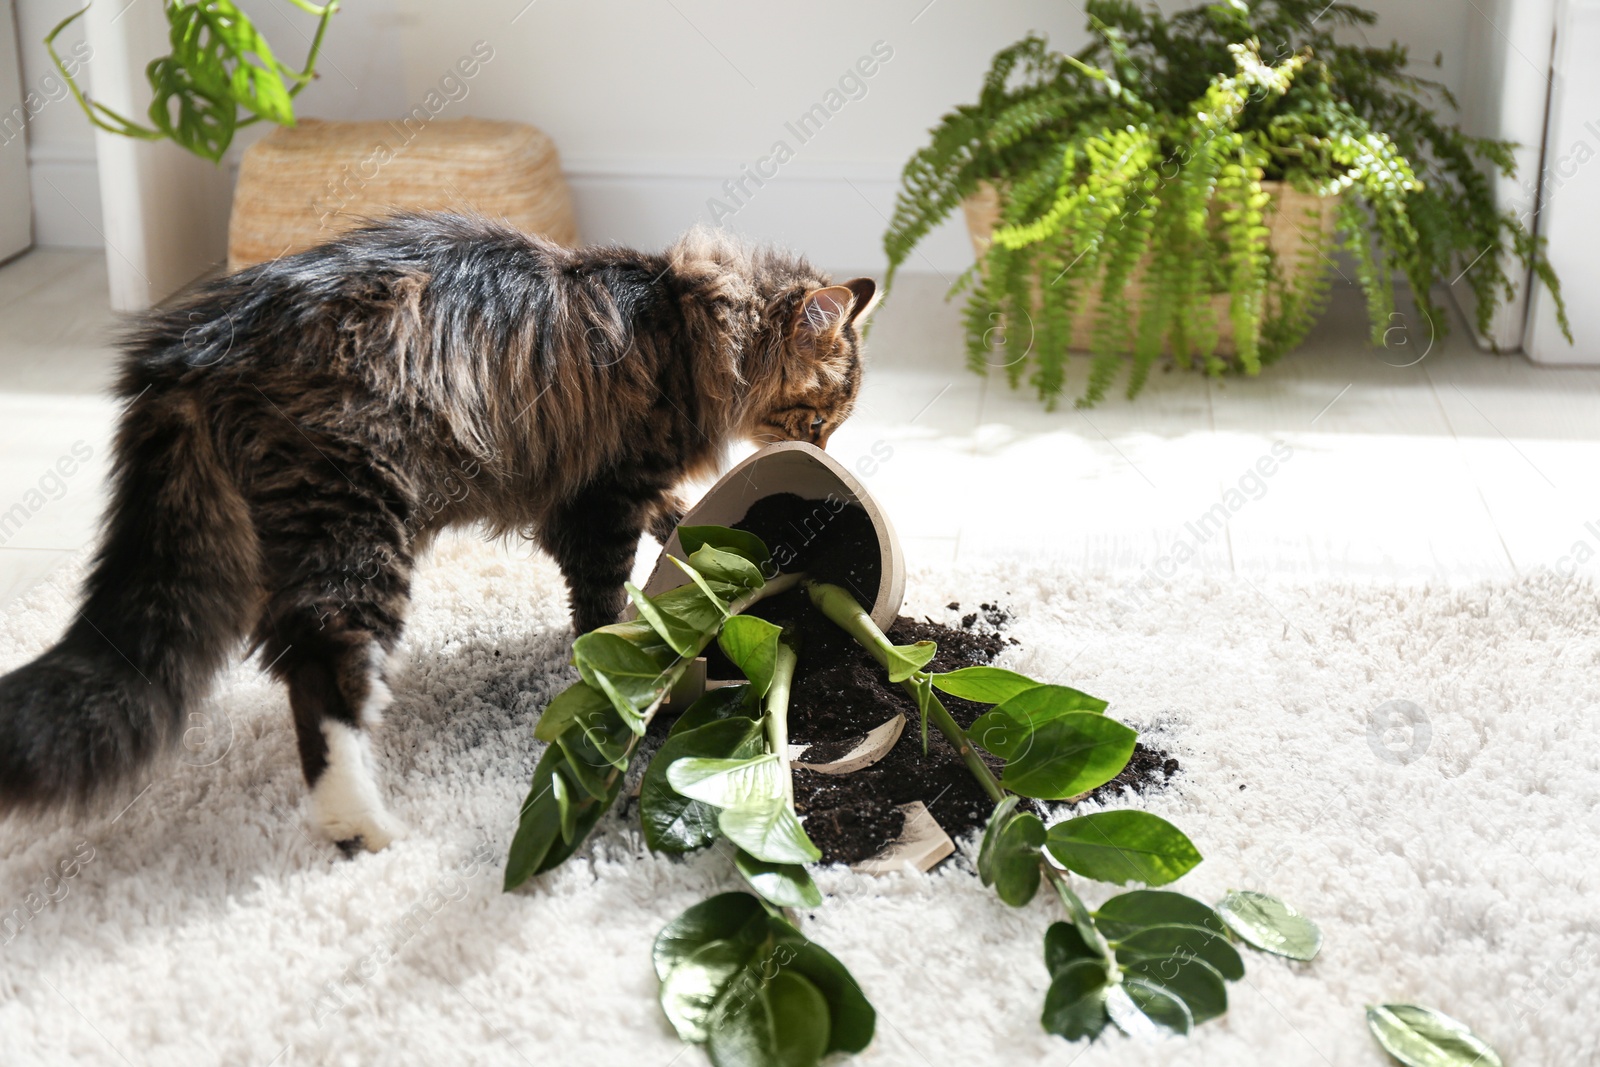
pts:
[296, 433]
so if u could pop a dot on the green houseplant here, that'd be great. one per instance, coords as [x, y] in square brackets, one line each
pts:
[737, 973]
[1136, 191]
[220, 75]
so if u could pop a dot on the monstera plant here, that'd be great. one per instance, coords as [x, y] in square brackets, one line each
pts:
[220, 75]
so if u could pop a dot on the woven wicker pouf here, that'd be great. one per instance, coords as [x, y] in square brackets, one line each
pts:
[304, 184]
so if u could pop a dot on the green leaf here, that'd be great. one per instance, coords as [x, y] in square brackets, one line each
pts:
[852, 1015]
[671, 821]
[691, 605]
[1064, 946]
[711, 596]
[738, 542]
[569, 817]
[729, 574]
[1189, 978]
[997, 732]
[783, 1023]
[1172, 940]
[539, 824]
[1009, 857]
[576, 702]
[691, 989]
[1003, 810]
[1075, 1006]
[1069, 755]
[1270, 924]
[206, 120]
[906, 660]
[587, 811]
[258, 88]
[1082, 921]
[1127, 912]
[752, 645]
[1041, 703]
[788, 885]
[730, 783]
[724, 702]
[1147, 1011]
[683, 638]
[632, 679]
[1123, 846]
[724, 917]
[1422, 1037]
[1006, 729]
[606, 736]
[586, 766]
[925, 700]
[769, 831]
[986, 685]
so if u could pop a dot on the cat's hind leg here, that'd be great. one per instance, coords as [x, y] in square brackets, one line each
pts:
[338, 694]
[335, 610]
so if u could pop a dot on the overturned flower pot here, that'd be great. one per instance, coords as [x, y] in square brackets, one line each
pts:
[814, 515]
[809, 473]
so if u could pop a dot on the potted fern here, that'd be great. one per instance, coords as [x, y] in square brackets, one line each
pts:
[1178, 187]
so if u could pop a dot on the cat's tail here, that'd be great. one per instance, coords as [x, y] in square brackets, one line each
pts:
[166, 601]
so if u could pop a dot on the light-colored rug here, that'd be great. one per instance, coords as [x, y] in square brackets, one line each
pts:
[1452, 864]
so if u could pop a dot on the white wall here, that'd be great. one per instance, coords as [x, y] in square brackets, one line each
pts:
[61, 165]
[655, 104]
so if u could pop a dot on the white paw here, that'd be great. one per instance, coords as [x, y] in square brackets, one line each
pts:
[345, 803]
[375, 830]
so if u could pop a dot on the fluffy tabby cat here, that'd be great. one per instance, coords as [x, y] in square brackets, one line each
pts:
[296, 433]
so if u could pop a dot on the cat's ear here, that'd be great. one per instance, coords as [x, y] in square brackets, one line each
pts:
[825, 311]
[866, 294]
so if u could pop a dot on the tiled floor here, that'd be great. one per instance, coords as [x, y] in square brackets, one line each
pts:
[1460, 466]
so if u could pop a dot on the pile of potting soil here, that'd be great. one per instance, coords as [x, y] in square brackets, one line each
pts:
[840, 692]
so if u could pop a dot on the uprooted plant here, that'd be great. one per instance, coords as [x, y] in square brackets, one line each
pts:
[1150, 961]
[736, 973]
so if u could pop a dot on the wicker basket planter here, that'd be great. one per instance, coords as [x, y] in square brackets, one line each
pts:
[1297, 222]
[305, 184]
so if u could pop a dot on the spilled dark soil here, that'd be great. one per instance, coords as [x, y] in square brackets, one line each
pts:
[840, 692]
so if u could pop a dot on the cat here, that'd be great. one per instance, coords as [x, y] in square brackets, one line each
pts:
[296, 433]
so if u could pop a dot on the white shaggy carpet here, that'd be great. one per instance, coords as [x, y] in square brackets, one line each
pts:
[206, 927]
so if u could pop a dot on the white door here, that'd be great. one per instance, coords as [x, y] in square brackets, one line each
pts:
[16, 206]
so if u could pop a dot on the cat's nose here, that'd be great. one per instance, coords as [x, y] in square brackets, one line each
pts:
[822, 438]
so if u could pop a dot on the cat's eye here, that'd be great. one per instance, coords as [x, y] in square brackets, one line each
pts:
[816, 423]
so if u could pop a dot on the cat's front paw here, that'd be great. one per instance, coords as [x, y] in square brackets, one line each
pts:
[669, 513]
[592, 609]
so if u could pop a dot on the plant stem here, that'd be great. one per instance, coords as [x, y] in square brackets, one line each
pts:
[840, 607]
[1078, 912]
[778, 711]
